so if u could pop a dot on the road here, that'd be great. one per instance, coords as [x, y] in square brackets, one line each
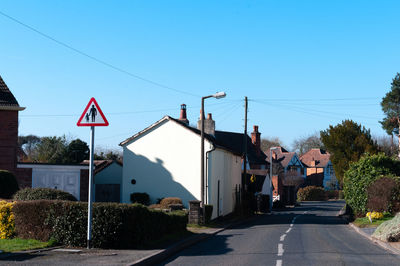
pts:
[311, 234]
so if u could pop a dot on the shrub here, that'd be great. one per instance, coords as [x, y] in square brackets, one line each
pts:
[332, 194]
[115, 225]
[8, 184]
[43, 194]
[311, 193]
[165, 202]
[7, 225]
[142, 198]
[383, 194]
[208, 211]
[362, 174]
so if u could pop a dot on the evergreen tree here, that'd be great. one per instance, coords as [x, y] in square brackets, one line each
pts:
[347, 142]
[391, 108]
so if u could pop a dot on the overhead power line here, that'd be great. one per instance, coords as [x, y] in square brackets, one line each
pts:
[116, 68]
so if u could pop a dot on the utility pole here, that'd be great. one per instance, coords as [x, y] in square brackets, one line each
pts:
[244, 186]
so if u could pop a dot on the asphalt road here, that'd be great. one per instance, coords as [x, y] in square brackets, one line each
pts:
[311, 234]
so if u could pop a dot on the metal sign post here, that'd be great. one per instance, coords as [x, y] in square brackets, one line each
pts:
[92, 116]
[90, 197]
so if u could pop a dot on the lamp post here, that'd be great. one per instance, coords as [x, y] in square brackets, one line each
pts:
[217, 95]
[270, 174]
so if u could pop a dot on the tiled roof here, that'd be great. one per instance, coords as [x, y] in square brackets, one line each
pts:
[229, 141]
[321, 158]
[283, 155]
[100, 165]
[6, 97]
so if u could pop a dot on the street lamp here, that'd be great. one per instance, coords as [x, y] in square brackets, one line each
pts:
[270, 175]
[217, 95]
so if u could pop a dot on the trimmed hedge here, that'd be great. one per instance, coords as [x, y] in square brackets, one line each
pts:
[311, 193]
[43, 194]
[165, 202]
[115, 225]
[142, 198]
[8, 184]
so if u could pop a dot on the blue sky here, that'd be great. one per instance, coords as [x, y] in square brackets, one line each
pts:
[304, 65]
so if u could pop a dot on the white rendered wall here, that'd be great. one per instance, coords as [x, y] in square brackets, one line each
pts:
[165, 162]
[225, 167]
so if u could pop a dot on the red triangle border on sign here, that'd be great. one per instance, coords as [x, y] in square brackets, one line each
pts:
[80, 124]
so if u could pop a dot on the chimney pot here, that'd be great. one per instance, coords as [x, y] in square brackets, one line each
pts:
[256, 139]
[183, 117]
[209, 116]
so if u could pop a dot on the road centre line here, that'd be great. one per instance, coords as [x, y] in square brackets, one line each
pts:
[283, 237]
[280, 249]
[287, 231]
[278, 262]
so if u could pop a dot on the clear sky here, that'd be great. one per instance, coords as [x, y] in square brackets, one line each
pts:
[304, 65]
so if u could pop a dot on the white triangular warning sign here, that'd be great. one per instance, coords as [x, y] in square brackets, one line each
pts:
[92, 116]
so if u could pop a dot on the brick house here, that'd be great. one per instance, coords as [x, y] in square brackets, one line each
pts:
[319, 169]
[288, 174]
[9, 109]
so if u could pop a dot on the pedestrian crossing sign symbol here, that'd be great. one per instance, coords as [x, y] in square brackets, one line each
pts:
[92, 116]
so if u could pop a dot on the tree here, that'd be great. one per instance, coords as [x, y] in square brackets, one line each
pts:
[108, 155]
[28, 145]
[51, 150]
[267, 143]
[391, 108]
[76, 151]
[385, 144]
[304, 144]
[347, 142]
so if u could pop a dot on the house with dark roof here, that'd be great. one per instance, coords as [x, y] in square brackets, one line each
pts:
[319, 169]
[163, 160]
[9, 109]
[288, 174]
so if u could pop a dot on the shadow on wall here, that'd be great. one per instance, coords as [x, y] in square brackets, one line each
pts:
[154, 179]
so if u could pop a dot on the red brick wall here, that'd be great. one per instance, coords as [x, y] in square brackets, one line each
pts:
[84, 185]
[8, 140]
[24, 177]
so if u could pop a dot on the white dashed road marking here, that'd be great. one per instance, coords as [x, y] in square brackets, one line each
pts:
[287, 231]
[279, 263]
[280, 249]
[283, 237]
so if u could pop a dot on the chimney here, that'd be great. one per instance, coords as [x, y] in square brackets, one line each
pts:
[209, 124]
[256, 140]
[182, 116]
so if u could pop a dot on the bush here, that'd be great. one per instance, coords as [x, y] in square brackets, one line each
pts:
[311, 193]
[383, 195]
[7, 224]
[165, 202]
[332, 194]
[115, 225]
[8, 184]
[208, 210]
[362, 174]
[142, 198]
[43, 194]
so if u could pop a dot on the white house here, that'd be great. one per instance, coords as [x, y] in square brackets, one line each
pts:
[163, 160]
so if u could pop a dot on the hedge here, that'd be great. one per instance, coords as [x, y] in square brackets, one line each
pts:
[8, 184]
[115, 225]
[362, 174]
[311, 193]
[43, 194]
[142, 198]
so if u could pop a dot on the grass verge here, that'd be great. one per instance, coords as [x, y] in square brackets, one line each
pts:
[364, 222]
[18, 244]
